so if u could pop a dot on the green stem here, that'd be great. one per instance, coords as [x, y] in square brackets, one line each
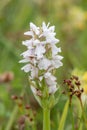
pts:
[12, 118]
[46, 119]
[72, 118]
[34, 127]
[84, 118]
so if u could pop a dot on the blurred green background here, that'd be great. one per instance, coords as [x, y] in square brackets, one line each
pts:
[70, 19]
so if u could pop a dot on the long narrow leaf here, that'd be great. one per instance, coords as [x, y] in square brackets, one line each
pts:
[64, 115]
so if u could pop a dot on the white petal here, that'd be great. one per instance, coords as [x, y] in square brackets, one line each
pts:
[48, 74]
[52, 89]
[36, 42]
[48, 24]
[39, 51]
[57, 63]
[30, 33]
[50, 38]
[34, 72]
[51, 82]
[59, 49]
[44, 64]
[44, 27]
[40, 78]
[58, 57]
[33, 90]
[24, 61]
[28, 42]
[26, 68]
[34, 28]
[55, 50]
[28, 53]
[50, 79]
[52, 28]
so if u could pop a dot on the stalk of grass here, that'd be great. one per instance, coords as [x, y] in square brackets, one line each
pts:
[72, 118]
[34, 127]
[12, 118]
[64, 115]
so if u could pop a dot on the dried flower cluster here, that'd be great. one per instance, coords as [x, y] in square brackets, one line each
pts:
[28, 114]
[42, 57]
[74, 87]
[83, 79]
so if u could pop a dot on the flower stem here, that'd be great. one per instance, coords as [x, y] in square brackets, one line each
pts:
[46, 119]
[12, 118]
[72, 118]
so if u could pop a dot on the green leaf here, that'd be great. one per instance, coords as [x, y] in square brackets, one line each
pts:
[64, 115]
[38, 99]
[80, 128]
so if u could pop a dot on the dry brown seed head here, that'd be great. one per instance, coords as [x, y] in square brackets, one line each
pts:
[27, 106]
[75, 77]
[31, 119]
[78, 83]
[21, 97]
[21, 120]
[14, 97]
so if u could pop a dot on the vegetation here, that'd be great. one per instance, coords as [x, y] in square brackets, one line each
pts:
[16, 98]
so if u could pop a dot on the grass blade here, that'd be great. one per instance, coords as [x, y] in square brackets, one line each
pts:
[64, 115]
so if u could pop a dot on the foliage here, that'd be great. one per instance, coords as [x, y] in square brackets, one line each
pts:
[70, 19]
